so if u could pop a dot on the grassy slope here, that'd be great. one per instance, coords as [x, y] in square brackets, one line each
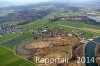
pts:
[8, 58]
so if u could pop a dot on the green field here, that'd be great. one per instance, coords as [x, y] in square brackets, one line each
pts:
[11, 35]
[8, 58]
[3, 13]
[16, 40]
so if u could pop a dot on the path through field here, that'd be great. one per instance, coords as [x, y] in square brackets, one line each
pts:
[86, 29]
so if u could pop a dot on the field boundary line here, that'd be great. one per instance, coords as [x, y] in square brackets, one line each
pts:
[86, 29]
[18, 55]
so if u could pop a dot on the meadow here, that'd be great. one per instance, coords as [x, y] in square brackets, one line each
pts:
[8, 58]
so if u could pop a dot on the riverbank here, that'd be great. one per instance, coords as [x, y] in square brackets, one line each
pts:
[90, 52]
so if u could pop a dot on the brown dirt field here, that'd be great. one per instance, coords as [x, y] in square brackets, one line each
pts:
[37, 44]
[53, 47]
[91, 30]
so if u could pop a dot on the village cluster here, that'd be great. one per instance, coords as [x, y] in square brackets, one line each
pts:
[7, 29]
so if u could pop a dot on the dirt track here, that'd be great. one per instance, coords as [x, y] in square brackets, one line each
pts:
[86, 29]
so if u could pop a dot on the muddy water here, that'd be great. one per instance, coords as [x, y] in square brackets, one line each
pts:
[21, 50]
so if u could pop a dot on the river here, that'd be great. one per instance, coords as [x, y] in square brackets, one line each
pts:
[90, 51]
[96, 18]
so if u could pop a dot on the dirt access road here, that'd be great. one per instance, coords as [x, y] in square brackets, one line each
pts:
[86, 29]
